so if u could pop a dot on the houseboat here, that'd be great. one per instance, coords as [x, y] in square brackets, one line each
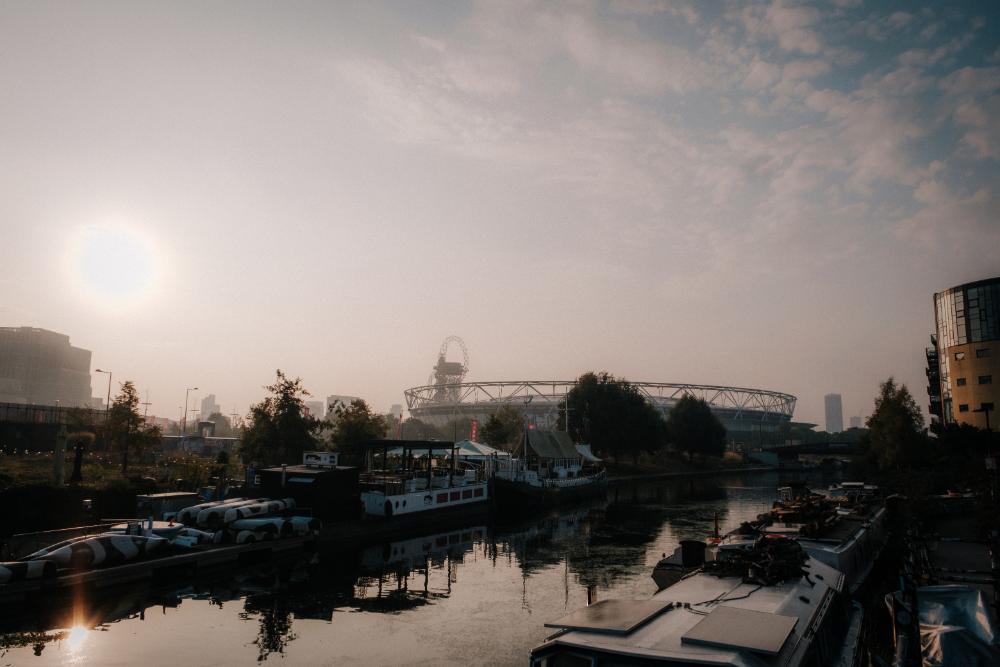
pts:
[770, 605]
[845, 530]
[407, 477]
[551, 469]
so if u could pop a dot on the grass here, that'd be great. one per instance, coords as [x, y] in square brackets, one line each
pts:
[101, 470]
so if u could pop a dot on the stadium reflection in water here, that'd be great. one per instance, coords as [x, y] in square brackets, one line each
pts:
[475, 594]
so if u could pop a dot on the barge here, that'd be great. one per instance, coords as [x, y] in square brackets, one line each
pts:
[771, 605]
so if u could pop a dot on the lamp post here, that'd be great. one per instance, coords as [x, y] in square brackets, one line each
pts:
[107, 405]
[184, 430]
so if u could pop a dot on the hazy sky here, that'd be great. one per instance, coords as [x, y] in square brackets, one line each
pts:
[761, 195]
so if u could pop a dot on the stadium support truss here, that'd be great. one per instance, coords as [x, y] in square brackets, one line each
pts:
[737, 407]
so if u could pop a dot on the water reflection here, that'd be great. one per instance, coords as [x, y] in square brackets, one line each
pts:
[451, 585]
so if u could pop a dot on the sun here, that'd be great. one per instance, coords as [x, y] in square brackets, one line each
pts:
[112, 264]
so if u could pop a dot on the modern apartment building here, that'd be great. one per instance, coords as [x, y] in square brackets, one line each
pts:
[967, 322]
[40, 367]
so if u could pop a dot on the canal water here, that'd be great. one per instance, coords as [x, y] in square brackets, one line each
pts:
[478, 594]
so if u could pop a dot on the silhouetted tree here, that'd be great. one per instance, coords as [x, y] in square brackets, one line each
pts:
[612, 415]
[694, 429]
[354, 425]
[503, 429]
[895, 438]
[415, 429]
[126, 428]
[278, 428]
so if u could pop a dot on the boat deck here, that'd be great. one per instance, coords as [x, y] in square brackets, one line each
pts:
[670, 634]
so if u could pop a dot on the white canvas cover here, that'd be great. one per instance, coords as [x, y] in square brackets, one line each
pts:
[587, 455]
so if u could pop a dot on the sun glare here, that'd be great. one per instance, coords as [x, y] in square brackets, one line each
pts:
[77, 635]
[112, 264]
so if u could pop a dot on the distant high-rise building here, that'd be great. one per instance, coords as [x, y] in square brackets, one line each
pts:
[333, 401]
[209, 407]
[855, 422]
[315, 409]
[396, 410]
[834, 413]
[963, 367]
[41, 367]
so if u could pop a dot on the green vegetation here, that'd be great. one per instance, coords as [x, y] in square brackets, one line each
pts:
[899, 452]
[613, 416]
[503, 429]
[694, 430]
[279, 428]
[354, 425]
[126, 428]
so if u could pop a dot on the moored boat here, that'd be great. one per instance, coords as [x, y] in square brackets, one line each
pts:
[411, 481]
[551, 470]
[770, 605]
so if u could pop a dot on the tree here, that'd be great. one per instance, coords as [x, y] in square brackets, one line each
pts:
[279, 428]
[126, 428]
[895, 438]
[354, 425]
[415, 429]
[223, 427]
[612, 415]
[694, 429]
[504, 428]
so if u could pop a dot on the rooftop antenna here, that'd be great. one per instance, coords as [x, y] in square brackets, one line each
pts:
[146, 405]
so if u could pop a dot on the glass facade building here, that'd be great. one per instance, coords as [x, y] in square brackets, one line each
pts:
[967, 320]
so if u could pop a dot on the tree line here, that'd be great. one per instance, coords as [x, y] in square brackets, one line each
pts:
[607, 412]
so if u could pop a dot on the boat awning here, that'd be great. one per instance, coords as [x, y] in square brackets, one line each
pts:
[478, 449]
[586, 454]
[552, 444]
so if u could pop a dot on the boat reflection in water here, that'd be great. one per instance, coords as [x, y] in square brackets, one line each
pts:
[433, 592]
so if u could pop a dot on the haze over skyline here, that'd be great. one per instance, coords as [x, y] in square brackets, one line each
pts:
[761, 195]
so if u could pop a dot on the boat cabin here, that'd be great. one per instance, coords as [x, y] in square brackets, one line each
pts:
[411, 476]
[706, 619]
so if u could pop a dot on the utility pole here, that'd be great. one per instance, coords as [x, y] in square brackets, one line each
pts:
[146, 404]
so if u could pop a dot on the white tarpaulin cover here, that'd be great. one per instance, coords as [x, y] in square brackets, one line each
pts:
[956, 628]
[587, 454]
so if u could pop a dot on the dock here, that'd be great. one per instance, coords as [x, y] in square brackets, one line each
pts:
[155, 568]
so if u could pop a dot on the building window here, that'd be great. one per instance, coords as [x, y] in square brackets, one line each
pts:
[983, 352]
[985, 379]
[964, 407]
[959, 356]
[959, 382]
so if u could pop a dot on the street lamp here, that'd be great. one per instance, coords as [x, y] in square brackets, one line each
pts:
[184, 431]
[107, 405]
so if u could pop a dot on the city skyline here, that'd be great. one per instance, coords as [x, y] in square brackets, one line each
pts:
[761, 195]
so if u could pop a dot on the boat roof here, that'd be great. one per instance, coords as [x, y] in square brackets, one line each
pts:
[759, 625]
[552, 444]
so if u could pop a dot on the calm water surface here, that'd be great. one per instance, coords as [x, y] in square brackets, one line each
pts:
[480, 597]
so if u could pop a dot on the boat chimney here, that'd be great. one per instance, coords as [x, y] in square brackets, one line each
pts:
[692, 553]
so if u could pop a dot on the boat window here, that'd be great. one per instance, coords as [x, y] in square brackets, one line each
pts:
[985, 379]
[964, 407]
[982, 352]
[960, 382]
